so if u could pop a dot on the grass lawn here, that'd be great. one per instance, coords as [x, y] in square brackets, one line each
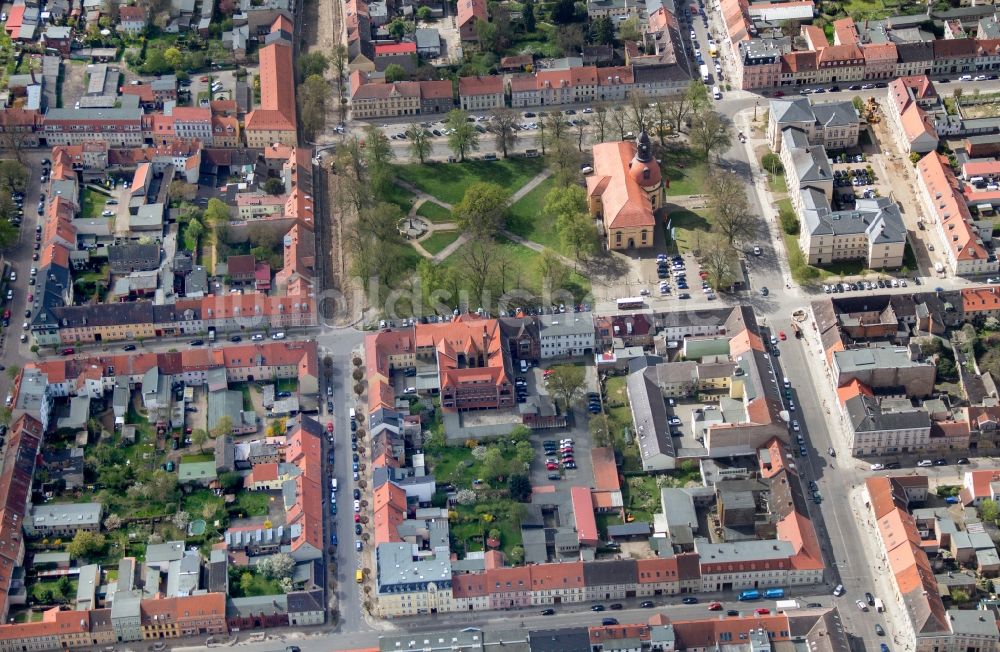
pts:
[687, 229]
[434, 212]
[876, 9]
[252, 503]
[93, 203]
[287, 385]
[194, 503]
[471, 533]
[642, 497]
[449, 181]
[685, 173]
[254, 585]
[199, 457]
[525, 262]
[614, 389]
[604, 520]
[38, 589]
[438, 240]
[777, 183]
[400, 196]
[526, 218]
[454, 464]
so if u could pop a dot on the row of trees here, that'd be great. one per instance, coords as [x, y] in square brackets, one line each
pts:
[13, 178]
[315, 94]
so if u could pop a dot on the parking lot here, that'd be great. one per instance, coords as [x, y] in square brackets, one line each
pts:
[527, 122]
[677, 276]
[853, 178]
[686, 437]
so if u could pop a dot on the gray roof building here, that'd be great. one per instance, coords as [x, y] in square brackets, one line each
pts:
[649, 416]
[149, 217]
[401, 571]
[162, 554]
[63, 517]
[428, 40]
[86, 588]
[810, 161]
[229, 403]
[79, 413]
[878, 218]
[468, 639]
[760, 550]
[836, 114]
[133, 257]
[866, 414]
[95, 115]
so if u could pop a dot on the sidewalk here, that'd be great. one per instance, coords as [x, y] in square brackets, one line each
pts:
[766, 200]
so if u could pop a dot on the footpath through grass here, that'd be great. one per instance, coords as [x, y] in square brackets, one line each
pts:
[439, 240]
[526, 218]
[449, 181]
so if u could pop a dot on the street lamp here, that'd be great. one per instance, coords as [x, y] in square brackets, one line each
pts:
[755, 103]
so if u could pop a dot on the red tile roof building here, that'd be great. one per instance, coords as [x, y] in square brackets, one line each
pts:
[274, 120]
[472, 366]
[469, 12]
[915, 590]
[913, 129]
[481, 93]
[946, 207]
[76, 376]
[624, 191]
[16, 472]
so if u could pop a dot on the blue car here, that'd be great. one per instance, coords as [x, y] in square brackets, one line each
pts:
[333, 538]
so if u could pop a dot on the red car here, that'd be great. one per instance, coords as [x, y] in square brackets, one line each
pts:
[329, 426]
[551, 467]
[715, 606]
[31, 297]
[357, 518]
[6, 313]
[781, 335]
[762, 611]
[547, 372]
[68, 351]
[204, 79]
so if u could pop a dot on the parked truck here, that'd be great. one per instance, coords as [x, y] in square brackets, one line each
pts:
[786, 605]
[879, 606]
[704, 72]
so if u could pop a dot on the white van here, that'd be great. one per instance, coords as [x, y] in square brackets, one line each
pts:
[524, 366]
[786, 382]
[353, 414]
[280, 335]
[716, 93]
[333, 484]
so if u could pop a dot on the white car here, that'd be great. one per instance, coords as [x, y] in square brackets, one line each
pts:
[877, 467]
[757, 251]
[795, 426]
[925, 463]
[357, 505]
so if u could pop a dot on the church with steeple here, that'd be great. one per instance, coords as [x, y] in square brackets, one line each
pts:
[624, 191]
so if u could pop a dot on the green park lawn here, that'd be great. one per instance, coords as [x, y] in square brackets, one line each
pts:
[526, 218]
[434, 212]
[93, 203]
[685, 172]
[525, 262]
[439, 240]
[449, 181]
[687, 226]
[400, 196]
